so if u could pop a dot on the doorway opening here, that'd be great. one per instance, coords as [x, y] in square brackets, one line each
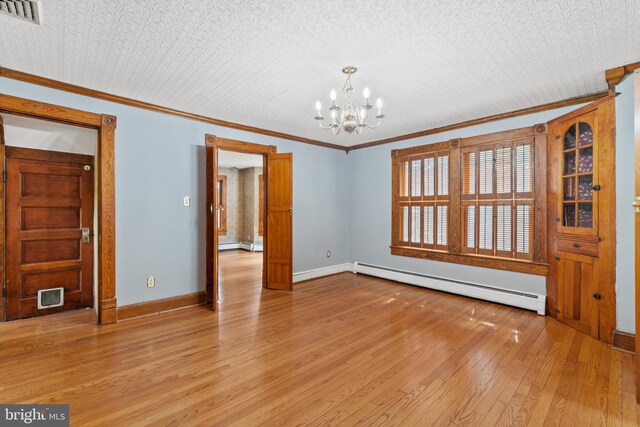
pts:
[277, 205]
[51, 220]
[56, 177]
[240, 220]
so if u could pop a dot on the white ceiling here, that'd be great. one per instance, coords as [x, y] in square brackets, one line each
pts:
[264, 63]
[232, 159]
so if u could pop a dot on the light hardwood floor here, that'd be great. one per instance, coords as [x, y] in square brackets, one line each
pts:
[345, 349]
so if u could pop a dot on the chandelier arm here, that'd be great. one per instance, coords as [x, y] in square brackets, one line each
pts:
[323, 127]
[366, 114]
[374, 126]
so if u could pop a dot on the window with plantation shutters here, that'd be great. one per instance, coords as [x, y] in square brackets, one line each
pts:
[472, 201]
[504, 198]
[423, 200]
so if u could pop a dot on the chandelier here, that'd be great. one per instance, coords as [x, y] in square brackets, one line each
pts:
[350, 117]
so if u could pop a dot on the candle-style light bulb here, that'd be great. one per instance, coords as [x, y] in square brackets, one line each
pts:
[332, 95]
[379, 103]
[366, 93]
[318, 106]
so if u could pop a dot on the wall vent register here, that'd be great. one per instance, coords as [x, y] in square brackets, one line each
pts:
[27, 10]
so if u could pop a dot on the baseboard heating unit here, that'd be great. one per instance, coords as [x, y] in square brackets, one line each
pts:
[244, 246]
[529, 301]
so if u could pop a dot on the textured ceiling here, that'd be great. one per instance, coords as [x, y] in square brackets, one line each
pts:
[265, 63]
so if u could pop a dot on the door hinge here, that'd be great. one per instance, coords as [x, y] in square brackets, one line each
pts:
[4, 290]
[4, 176]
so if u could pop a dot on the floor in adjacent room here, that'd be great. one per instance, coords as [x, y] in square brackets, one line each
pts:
[343, 349]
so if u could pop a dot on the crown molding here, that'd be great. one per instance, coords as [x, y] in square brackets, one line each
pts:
[481, 120]
[614, 76]
[68, 87]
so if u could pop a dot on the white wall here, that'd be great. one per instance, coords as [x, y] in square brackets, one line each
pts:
[43, 135]
[160, 159]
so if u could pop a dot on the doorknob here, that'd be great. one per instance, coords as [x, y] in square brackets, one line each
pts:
[636, 204]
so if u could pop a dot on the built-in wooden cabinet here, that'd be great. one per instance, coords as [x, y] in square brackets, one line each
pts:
[581, 195]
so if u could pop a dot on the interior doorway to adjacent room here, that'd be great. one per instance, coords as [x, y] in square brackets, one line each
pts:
[239, 216]
[276, 240]
[50, 215]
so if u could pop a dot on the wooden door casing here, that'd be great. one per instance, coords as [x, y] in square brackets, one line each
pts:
[577, 284]
[279, 221]
[277, 210]
[2, 222]
[49, 199]
[636, 114]
[209, 224]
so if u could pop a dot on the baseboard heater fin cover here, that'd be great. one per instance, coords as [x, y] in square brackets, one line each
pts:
[529, 301]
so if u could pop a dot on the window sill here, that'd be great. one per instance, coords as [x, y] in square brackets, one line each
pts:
[474, 260]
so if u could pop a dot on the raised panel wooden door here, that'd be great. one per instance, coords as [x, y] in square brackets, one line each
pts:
[49, 201]
[279, 269]
[578, 292]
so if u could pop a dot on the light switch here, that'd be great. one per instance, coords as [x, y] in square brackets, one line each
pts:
[186, 201]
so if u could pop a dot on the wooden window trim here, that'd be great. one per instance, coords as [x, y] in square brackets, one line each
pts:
[222, 205]
[535, 263]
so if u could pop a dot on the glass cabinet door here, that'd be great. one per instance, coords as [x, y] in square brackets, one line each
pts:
[578, 177]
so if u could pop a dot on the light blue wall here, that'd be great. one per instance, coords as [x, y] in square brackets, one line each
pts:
[625, 221]
[370, 209]
[341, 203]
[159, 160]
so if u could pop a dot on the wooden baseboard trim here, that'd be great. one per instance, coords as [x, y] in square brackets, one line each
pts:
[157, 306]
[624, 341]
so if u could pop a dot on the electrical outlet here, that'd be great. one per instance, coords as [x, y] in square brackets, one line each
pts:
[151, 281]
[328, 254]
[186, 201]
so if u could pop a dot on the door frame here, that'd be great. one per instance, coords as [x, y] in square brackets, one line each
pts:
[216, 143]
[105, 124]
[636, 115]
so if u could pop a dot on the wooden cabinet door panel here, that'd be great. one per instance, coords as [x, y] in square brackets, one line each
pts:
[577, 285]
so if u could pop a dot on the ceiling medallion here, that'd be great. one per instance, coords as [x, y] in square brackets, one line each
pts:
[350, 117]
